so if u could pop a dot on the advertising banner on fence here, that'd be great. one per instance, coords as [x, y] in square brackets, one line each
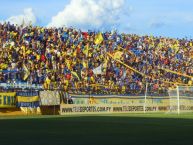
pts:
[49, 98]
[66, 109]
[7, 100]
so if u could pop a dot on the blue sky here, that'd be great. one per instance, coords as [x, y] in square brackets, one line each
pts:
[171, 18]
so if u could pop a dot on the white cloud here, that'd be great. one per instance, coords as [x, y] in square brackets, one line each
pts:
[28, 17]
[90, 14]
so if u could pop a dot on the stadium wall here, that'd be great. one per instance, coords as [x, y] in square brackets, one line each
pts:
[54, 103]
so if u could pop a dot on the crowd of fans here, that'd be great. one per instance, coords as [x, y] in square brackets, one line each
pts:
[66, 58]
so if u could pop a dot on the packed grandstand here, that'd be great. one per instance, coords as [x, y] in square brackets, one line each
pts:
[96, 62]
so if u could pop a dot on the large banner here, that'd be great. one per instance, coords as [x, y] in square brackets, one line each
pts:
[67, 109]
[49, 98]
[124, 104]
[7, 100]
[123, 100]
[27, 99]
[115, 104]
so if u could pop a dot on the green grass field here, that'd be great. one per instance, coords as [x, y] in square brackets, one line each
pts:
[120, 129]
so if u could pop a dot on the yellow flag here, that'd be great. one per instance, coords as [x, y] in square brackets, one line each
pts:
[86, 49]
[190, 83]
[48, 81]
[85, 64]
[117, 55]
[75, 74]
[3, 66]
[27, 73]
[74, 53]
[105, 63]
[68, 63]
[98, 38]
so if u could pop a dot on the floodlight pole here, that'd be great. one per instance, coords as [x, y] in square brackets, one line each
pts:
[144, 105]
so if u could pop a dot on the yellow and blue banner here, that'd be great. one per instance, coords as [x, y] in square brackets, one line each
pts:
[28, 99]
[7, 100]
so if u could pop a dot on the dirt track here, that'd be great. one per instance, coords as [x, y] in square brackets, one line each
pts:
[12, 111]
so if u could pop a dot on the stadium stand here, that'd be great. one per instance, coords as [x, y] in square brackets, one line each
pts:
[93, 62]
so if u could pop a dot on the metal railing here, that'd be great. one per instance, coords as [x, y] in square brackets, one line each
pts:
[89, 90]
